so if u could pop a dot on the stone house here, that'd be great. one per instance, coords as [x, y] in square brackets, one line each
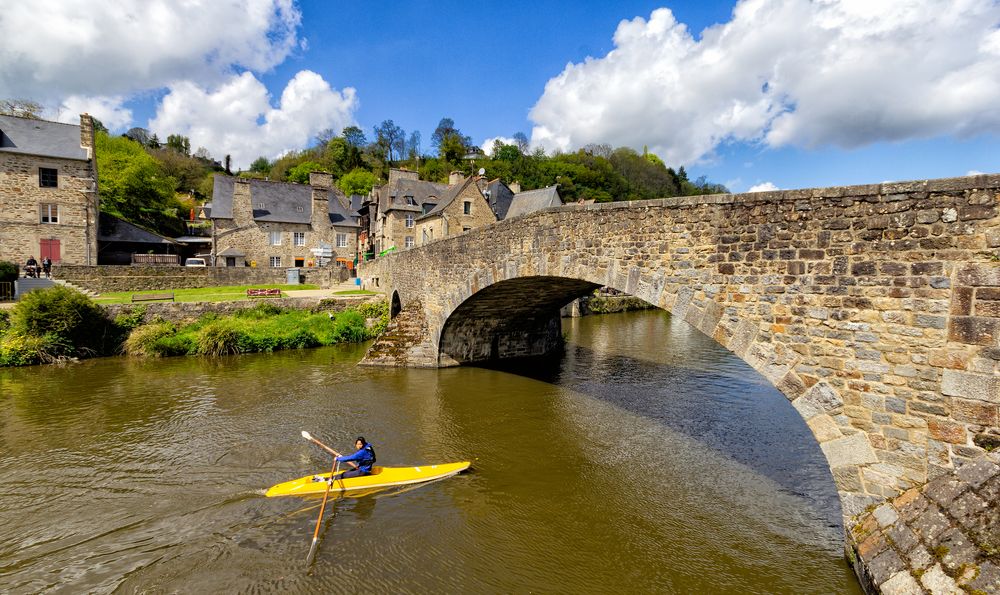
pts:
[533, 200]
[278, 224]
[462, 208]
[48, 191]
[391, 211]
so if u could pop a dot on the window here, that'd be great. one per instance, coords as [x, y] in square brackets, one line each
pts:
[408, 243]
[468, 207]
[275, 261]
[50, 213]
[48, 177]
[428, 206]
[409, 219]
[341, 240]
[465, 228]
[275, 238]
[299, 238]
[409, 200]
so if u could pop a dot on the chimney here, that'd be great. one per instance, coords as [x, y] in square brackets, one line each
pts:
[87, 134]
[320, 217]
[242, 202]
[515, 187]
[455, 177]
[320, 179]
[401, 173]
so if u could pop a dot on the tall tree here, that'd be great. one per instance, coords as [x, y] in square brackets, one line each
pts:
[391, 139]
[354, 137]
[260, 165]
[179, 143]
[324, 136]
[521, 140]
[139, 135]
[413, 146]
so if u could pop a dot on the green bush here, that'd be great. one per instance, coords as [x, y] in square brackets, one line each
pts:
[220, 337]
[22, 350]
[74, 325]
[8, 271]
[349, 327]
[378, 311]
[4, 321]
[143, 340]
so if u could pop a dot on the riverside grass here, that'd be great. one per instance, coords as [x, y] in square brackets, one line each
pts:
[264, 328]
[58, 324]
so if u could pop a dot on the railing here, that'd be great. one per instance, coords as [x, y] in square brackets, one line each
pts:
[138, 259]
[6, 291]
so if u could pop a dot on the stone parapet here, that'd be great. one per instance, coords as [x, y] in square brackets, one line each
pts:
[105, 278]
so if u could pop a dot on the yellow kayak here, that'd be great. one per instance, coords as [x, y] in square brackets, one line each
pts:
[380, 477]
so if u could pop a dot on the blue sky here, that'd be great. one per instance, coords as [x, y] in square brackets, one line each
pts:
[755, 93]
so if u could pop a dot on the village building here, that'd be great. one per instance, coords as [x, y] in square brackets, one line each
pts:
[48, 191]
[278, 224]
[390, 214]
[121, 242]
[533, 200]
[462, 208]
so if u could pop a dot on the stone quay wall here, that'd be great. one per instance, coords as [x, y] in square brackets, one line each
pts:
[104, 278]
[189, 311]
[874, 309]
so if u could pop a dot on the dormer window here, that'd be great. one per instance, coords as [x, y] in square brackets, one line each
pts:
[409, 200]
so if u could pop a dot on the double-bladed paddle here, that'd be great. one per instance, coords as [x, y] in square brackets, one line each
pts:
[310, 438]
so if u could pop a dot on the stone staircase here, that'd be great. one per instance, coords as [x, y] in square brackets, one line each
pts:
[83, 290]
[404, 342]
[29, 284]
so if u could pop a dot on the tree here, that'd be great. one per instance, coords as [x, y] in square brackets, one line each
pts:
[391, 139]
[444, 128]
[521, 140]
[99, 126]
[323, 137]
[300, 173]
[21, 108]
[354, 137]
[135, 187]
[139, 135]
[413, 146]
[181, 144]
[260, 165]
[154, 142]
[357, 181]
[504, 152]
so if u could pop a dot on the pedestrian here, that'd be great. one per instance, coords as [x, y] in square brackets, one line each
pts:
[47, 267]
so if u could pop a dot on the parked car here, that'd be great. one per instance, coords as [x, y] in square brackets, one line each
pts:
[194, 262]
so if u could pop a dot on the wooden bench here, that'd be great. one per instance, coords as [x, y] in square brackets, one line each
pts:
[152, 297]
[266, 293]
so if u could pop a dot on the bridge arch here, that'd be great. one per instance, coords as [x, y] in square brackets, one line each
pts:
[873, 309]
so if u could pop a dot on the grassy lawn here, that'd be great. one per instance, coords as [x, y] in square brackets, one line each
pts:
[230, 293]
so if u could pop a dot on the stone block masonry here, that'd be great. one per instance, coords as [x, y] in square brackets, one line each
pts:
[190, 311]
[873, 309]
[105, 278]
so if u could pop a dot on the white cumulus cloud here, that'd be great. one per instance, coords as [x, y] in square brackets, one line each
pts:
[487, 145]
[763, 187]
[109, 110]
[237, 117]
[53, 49]
[784, 72]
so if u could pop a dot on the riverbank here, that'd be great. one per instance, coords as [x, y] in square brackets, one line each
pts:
[59, 325]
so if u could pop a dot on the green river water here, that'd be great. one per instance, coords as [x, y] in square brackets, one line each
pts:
[644, 459]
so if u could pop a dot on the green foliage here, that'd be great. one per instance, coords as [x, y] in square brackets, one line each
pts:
[179, 143]
[4, 321]
[220, 337]
[358, 181]
[17, 349]
[300, 173]
[379, 311]
[260, 165]
[8, 272]
[134, 186]
[349, 327]
[130, 318]
[73, 325]
[154, 340]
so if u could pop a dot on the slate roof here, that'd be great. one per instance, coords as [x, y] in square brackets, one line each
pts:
[232, 252]
[533, 200]
[448, 198]
[40, 137]
[499, 196]
[282, 202]
[422, 191]
[114, 229]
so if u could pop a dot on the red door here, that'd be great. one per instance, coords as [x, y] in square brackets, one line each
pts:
[49, 248]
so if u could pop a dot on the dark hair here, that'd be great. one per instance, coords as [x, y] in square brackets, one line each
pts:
[362, 440]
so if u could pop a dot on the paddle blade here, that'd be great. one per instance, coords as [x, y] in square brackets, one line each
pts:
[312, 551]
[306, 435]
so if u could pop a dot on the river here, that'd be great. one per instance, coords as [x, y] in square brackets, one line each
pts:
[645, 458]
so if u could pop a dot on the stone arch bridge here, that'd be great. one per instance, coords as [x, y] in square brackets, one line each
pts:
[874, 309]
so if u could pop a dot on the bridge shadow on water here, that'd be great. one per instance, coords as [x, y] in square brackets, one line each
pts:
[704, 392]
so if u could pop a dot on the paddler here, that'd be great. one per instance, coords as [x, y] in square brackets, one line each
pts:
[364, 457]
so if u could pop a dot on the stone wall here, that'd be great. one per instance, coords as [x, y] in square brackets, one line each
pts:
[872, 308]
[941, 538]
[106, 278]
[21, 200]
[603, 304]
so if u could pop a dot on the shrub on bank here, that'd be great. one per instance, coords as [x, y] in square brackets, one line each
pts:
[8, 271]
[72, 325]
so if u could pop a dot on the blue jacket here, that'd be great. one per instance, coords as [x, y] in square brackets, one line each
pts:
[365, 457]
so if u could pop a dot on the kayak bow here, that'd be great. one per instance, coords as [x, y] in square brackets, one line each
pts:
[380, 477]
